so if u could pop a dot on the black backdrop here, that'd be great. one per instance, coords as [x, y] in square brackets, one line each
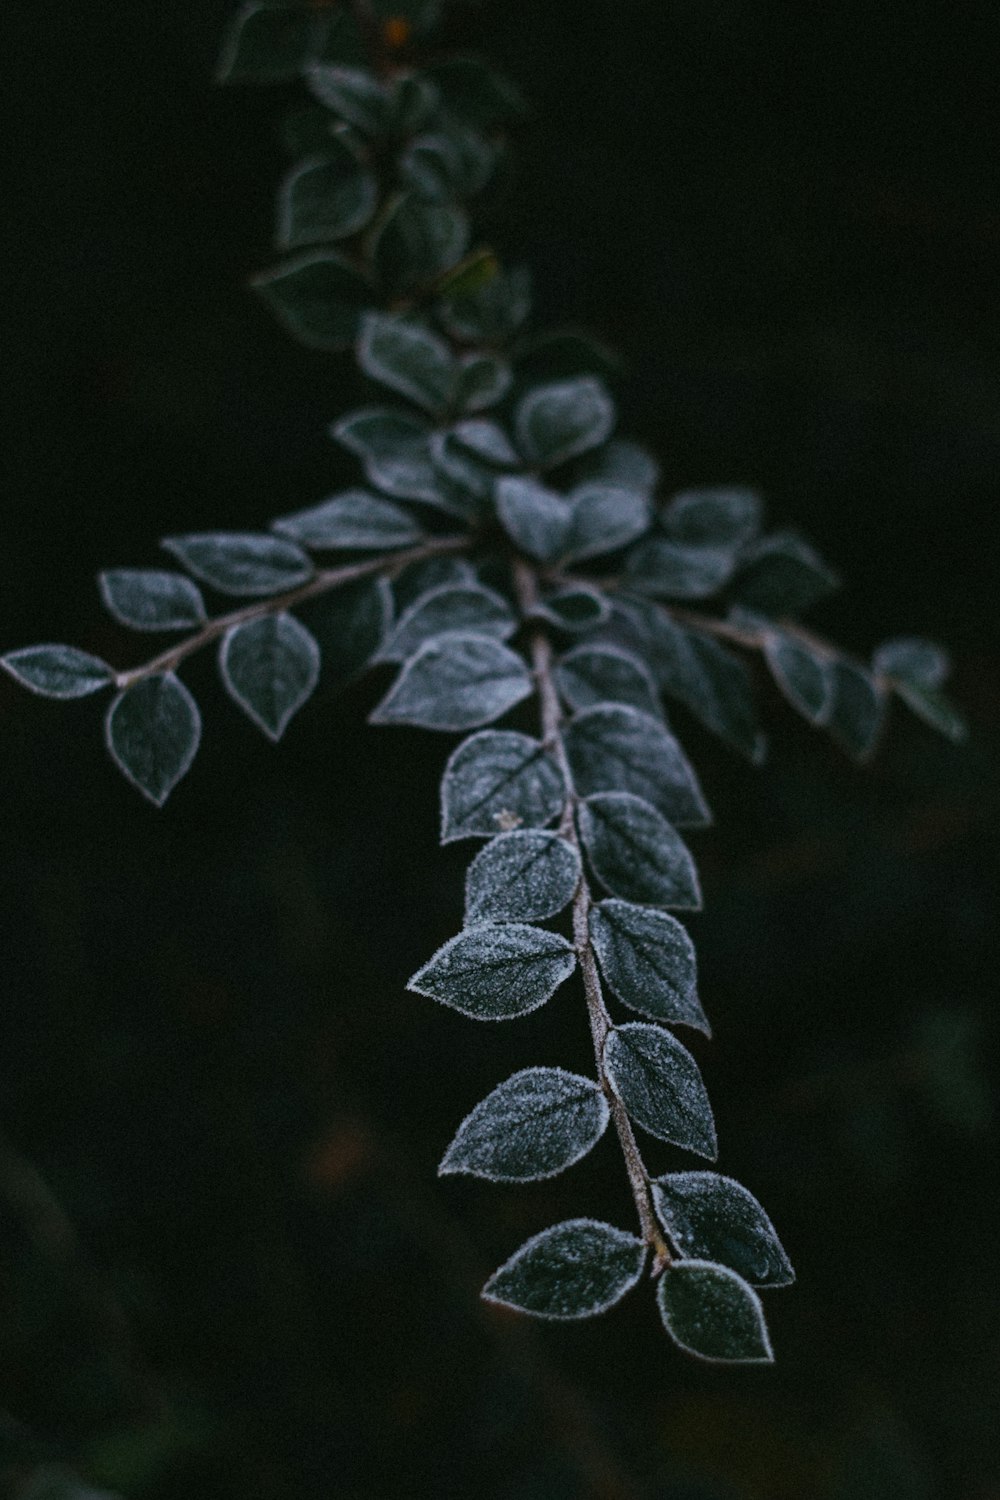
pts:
[786, 218]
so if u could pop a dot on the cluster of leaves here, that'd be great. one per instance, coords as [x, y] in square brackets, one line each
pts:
[505, 545]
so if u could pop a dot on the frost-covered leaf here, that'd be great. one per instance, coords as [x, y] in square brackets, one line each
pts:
[269, 667]
[535, 1125]
[329, 195]
[709, 1217]
[591, 675]
[635, 852]
[497, 781]
[565, 354]
[419, 578]
[912, 659]
[355, 94]
[147, 599]
[648, 961]
[463, 473]
[933, 707]
[152, 731]
[318, 297]
[476, 93]
[524, 876]
[486, 441]
[419, 242]
[690, 666]
[725, 517]
[573, 1270]
[483, 380]
[533, 516]
[575, 609]
[556, 422]
[447, 164]
[803, 673]
[57, 671]
[395, 449]
[623, 464]
[665, 569]
[496, 971]
[783, 575]
[410, 359]
[602, 518]
[354, 520]
[491, 313]
[658, 1081]
[858, 709]
[268, 43]
[614, 747]
[456, 681]
[711, 1312]
[462, 607]
[413, 100]
[349, 624]
[234, 562]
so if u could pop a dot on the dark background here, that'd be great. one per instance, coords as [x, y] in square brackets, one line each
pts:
[226, 1266]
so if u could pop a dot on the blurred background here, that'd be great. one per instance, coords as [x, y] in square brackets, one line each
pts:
[227, 1269]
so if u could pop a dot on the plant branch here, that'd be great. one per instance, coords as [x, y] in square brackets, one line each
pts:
[320, 583]
[526, 586]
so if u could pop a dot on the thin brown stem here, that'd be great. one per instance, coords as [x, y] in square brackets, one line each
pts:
[526, 586]
[320, 583]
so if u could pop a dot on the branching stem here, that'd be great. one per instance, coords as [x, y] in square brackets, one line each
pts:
[540, 646]
[320, 583]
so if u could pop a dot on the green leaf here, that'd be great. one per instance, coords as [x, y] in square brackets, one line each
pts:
[602, 519]
[636, 854]
[533, 516]
[475, 93]
[317, 297]
[152, 731]
[591, 675]
[269, 43]
[456, 681]
[658, 1081]
[445, 165]
[713, 517]
[614, 747]
[355, 94]
[858, 710]
[912, 659]
[270, 667]
[147, 599]
[672, 570]
[349, 624]
[556, 422]
[712, 1313]
[234, 562]
[452, 607]
[566, 354]
[648, 961]
[497, 781]
[394, 447]
[353, 520]
[934, 708]
[419, 578]
[328, 196]
[490, 314]
[57, 671]
[535, 1125]
[574, 1270]
[410, 359]
[623, 465]
[483, 380]
[575, 609]
[486, 441]
[524, 876]
[783, 575]
[413, 100]
[709, 1217]
[419, 242]
[804, 674]
[497, 971]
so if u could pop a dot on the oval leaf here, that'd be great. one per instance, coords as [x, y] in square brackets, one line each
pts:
[556, 422]
[804, 675]
[147, 599]
[615, 747]
[535, 1125]
[57, 671]
[456, 682]
[671, 570]
[268, 43]
[711, 1312]
[352, 520]
[636, 854]
[533, 516]
[713, 517]
[909, 658]
[857, 712]
[235, 562]
[589, 676]
[495, 971]
[317, 297]
[648, 961]
[410, 359]
[328, 196]
[497, 781]
[603, 518]
[152, 731]
[348, 624]
[573, 1270]
[709, 1217]
[783, 575]
[462, 607]
[523, 876]
[419, 242]
[658, 1081]
[269, 667]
